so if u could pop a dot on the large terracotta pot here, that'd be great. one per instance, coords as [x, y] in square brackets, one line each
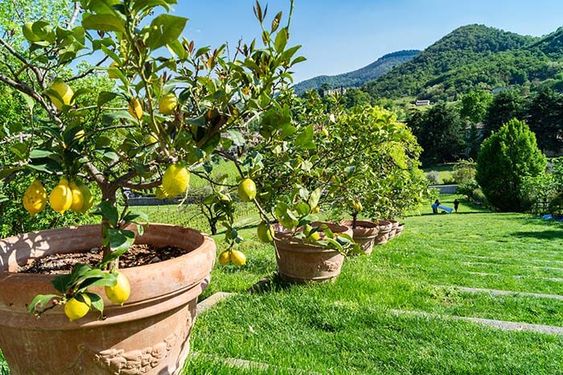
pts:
[394, 226]
[399, 229]
[147, 335]
[364, 233]
[302, 262]
[385, 228]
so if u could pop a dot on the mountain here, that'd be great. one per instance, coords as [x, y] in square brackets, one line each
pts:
[361, 76]
[473, 56]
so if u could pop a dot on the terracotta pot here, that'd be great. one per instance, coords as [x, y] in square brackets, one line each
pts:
[399, 229]
[364, 233]
[301, 262]
[147, 335]
[394, 226]
[385, 228]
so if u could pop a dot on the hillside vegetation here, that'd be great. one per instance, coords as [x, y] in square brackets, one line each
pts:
[360, 76]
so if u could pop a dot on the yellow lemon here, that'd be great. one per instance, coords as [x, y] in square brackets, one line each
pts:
[112, 70]
[168, 104]
[34, 198]
[247, 190]
[175, 181]
[315, 236]
[60, 198]
[87, 198]
[64, 93]
[135, 108]
[77, 197]
[238, 258]
[357, 206]
[316, 210]
[76, 309]
[120, 292]
[225, 257]
[265, 232]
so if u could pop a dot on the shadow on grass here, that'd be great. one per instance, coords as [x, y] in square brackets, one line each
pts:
[272, 283]
[544, 235]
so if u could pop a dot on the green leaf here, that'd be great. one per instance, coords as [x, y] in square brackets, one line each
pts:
[164, 29]
[108, 212]
[103, 22]
[305, 139]
[96, 301]
[281, 39]
[315, 197]
[39, 303]
[105, 97]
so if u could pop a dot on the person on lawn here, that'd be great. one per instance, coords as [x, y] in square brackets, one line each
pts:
[456, 205]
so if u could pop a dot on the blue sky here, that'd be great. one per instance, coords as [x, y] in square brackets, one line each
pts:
[343, 35]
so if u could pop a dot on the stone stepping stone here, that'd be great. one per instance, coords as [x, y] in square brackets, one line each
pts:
[539, 262]
[512, 265]
[556, 279]
[499, 324]
[498, 292]
[212, 300]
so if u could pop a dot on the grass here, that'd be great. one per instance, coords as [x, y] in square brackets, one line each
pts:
[445, 172]
[347, 326]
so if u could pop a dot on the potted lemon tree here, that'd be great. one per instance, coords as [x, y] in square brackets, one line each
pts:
[120, 296]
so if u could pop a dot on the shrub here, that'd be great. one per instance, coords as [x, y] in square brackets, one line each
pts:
[464, 172]
[505, 159]
[544, 193]
[433, 177]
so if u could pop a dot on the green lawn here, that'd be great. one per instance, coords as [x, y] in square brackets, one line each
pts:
[445, 172]
[350, 326]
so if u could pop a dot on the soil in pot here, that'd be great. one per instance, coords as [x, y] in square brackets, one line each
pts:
[138, 255]
[364, 233]
[300, 262]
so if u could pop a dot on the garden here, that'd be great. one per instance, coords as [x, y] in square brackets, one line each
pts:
[296, 229]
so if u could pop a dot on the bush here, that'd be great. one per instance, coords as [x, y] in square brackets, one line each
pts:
[464, 172]
[433, 177]
[505, 159]
[544, 193]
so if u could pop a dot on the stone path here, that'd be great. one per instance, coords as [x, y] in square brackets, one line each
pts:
[499, 324]
[556, 279]
[211, 301]
[498, 292]
[514, 265]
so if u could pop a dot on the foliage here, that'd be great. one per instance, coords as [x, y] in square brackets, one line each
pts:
[440, 133]
[544, 193]
[545, 116]
[358, 77]
[474, 105]
[505, 106]
[505, 159]
[433, 177]
[464, 172]
[119, 135]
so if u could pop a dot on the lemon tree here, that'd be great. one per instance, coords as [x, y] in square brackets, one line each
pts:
[170, 108]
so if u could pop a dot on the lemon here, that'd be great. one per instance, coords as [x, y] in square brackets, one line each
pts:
[225, 257]
[135, 109]
[34, 198]
[29, 34]
[315, 210]
[120, 292]
[76, 309]
[60, 198]
[77, 197]
[150, 139]
[175, 181]
[168, 104]
[265, 232]
[87, 198]
[247, 190]
[112, 71]
[160, 194]
[315, 236]
[63, 91]
[357, 206]
[238, 258]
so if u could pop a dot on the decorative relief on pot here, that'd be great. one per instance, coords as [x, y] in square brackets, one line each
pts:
[329, 266]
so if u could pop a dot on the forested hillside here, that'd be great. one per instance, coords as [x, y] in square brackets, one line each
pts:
[475, 56]
[360, 76]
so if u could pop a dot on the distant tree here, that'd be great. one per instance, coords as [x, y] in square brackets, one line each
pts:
[354, 97]
[440, 132]
[474, 105]
[545, 116]
[505, 106]
[506, 158]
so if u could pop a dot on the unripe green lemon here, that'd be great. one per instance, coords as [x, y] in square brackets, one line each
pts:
[265, 232]
[64, 92]
[315, 236]
[238, 258]
[35, 198]
[225, 258]
[168, 104]
[357, 205]
[175, 181]
[135, 108]
[77, 197]
[60, 198]
[316, 210]
[112, 71]
[87, 198]
[247, 190]
[75, 309]
[120, 292]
